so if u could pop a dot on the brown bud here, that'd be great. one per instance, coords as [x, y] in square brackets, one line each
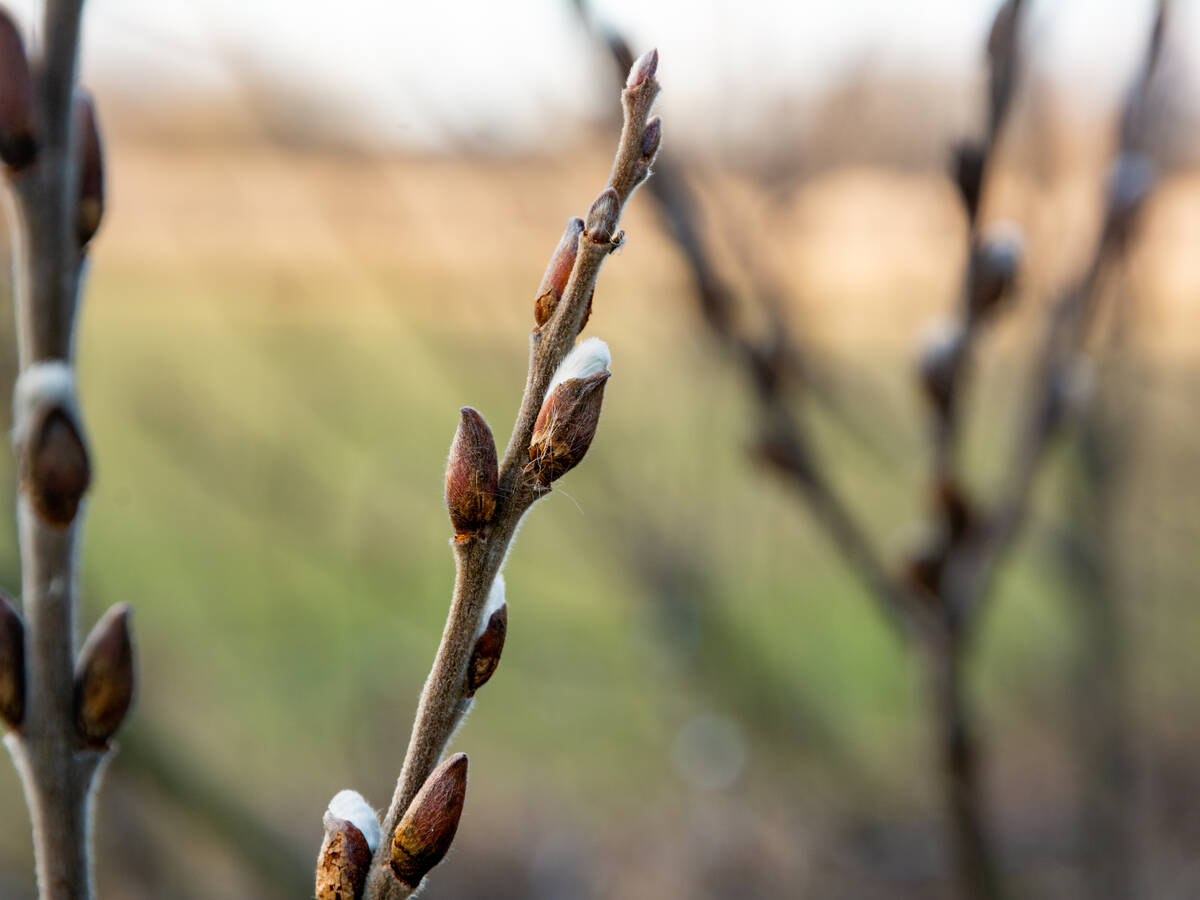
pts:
[12, 665]
[488, 647]
[602, 217]
[428, 827]
[652, 138]
[104, 678]
[993, 266]
[558, 272]
[565, 427]
[18, 146]
[91, 168]
[643, 68]
[966, 167]
[940, 359]
[471, 475]
[55, 472]
[343, 862]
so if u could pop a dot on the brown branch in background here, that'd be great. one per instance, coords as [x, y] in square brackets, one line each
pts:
[50, 145]
[557, 420]
[936, 595]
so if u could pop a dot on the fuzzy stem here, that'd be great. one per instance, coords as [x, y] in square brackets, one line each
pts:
[479, 558]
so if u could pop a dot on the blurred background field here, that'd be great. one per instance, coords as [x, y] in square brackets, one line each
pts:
[696, 699]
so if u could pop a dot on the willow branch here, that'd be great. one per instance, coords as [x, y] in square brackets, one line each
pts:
[72, 708]
[487, 509]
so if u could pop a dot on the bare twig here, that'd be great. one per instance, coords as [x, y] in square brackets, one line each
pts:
[51, 149]
[936, 596]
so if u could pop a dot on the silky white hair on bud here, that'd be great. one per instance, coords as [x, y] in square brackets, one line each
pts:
[587, 358]
[351, 807]
[42, 384]
[495, 600]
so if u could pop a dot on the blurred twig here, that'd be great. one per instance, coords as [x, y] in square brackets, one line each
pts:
[936, 598]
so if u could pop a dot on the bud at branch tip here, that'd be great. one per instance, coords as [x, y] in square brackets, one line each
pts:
[643, 69]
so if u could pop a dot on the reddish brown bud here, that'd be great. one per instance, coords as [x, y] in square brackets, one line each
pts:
[488, 647]
[471, 475]
[12, 665]
[55, 472]
[558, 272]
[104, 678]
[18, 146]
[643, 68]
[602, 217]
[343, 862]
[91, 168]
[565, 427]
[966, 168]
[428, 827]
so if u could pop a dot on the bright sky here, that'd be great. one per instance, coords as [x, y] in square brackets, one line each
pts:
[401, 71]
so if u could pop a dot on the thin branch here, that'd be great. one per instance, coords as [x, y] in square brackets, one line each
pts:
[487, 508]
[71, 710]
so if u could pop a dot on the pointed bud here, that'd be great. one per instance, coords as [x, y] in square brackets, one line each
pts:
[428, 827]
[643, 69]
[351, 836]
[565, 427]
[104, 678]
[471, 475]
[55, 472]
[18, 146]
[489, 643]
[993, 267]
[558, 272]
[602, 217]
[91, 169]
[12, 665]
[940, 357]
[652, 138]
[967, 170]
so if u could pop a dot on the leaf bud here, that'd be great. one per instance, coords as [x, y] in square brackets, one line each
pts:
[643, 69]
[558, 272]
[570, 413]
[12, 665]
[602, 217]
[429, 825]
[472, 474]
[18, 145]
[351, 836]
[91, 169]
[489, 643]
[104, 678]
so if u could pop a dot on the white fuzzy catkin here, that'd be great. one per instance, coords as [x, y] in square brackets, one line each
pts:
[587, 358]
[351, 807]
[42, 384]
